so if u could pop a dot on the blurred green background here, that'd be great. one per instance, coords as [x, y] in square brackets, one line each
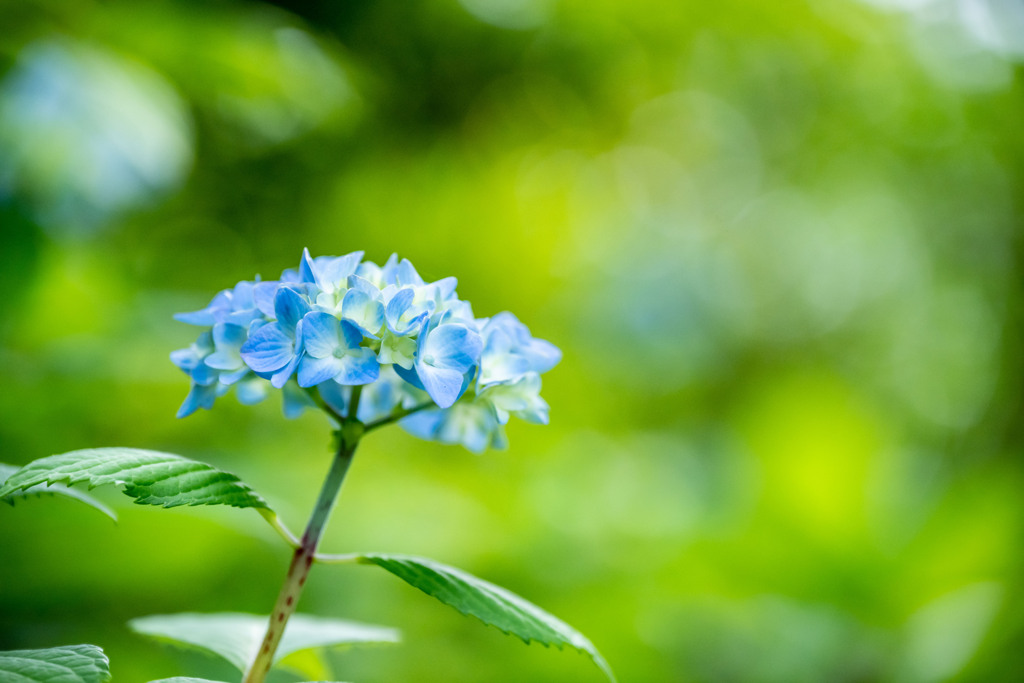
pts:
[778, 243]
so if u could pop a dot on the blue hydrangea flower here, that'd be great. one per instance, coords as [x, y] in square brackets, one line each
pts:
[413, 349]
[275, 349]
[333, 351]
[236, 306]
[510, 352]
[446, 358]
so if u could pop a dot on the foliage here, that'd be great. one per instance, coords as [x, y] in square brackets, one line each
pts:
[40, 490]
[236, 637]
[491, 604]
[69, 664]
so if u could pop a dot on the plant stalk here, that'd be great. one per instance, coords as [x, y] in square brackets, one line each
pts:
[302, 560]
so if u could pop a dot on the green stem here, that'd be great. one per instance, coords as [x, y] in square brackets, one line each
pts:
[302, 560]
[398, 415]
[350, 558]
[353, 402]
[279, 526]
[315, 396]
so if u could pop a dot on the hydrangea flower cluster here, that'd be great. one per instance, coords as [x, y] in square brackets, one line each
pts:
[337, 323]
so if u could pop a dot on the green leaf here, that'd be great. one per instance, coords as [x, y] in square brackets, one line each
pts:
[7, 470]
[68, 664]
[490, 604]
[151, 477]
[237, 637]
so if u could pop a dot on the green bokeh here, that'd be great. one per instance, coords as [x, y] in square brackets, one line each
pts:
[778, 243]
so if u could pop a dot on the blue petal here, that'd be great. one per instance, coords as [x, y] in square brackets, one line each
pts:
[336, 270]
[307, 270]
[364, 311]
[471, 425]
[446, 286]
[378, 400]
[423, 424]
[353, 336]
[335, 395]
[389, 269]
[543, 355]
[228, 335]
[244, 317]
[208, 316]
[443, 384]
[406, 274]
[358, 368]
[198, 397]
[281, 377]
[204, 375]
[263, 296]
[453, 346]
[363, 285]
[221, 360]
[203, 318]
[409, 376]
[185, 359]
[294, 401]
[251, 391]
[320, 334]
[313, 371]
[269, 349]
[229, 378]
[289, 307]
[398, 305]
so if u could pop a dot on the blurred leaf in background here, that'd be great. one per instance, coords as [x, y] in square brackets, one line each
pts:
[780, 245]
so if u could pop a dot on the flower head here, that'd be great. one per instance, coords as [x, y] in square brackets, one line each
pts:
[413, 348]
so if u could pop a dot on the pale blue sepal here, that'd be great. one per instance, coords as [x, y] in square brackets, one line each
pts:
[364, 311]
[520, 398]
[313, 371]
[263, 295]
[229, 378]
[201, 318]
[543, 355]
[289, 307]
[252, 390]
[204, 374]
[268, 349]
[358, 367]
[335, 395]
[336, 270]
[321, 334]
[281, 377]
[453, 346]
[379, 398]
[443, 384]
[294, 401]
[228, 340]
[307, 270]
[226, 334]
[405, 274]
[398, 304]
[363, 285]
[185, 359]
[199, 396]
[410, 376]
[397, 307]
[445, 286]
[423, 424]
